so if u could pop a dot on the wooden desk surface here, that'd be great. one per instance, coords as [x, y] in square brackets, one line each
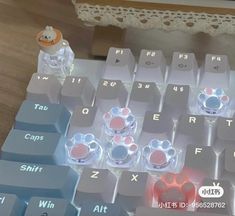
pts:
[19, 22]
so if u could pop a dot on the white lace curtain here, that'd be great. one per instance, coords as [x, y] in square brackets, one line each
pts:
[213, 24]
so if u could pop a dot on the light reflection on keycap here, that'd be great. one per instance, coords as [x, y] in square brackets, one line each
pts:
[213, 101]
[159, 155]
[122, 152]
[175, 191]
[119, 121]
[83, 149]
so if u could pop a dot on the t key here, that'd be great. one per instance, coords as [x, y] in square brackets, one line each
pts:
[145, 96]
[191, 129]
[110, 93]
[200, 162]
[120, 65]
[216, 72]
[176, 100]
[183, 70]
[95, 185]
[43, 88]
[156, 126]
[134, 189]
[77, 91]
[151, 66]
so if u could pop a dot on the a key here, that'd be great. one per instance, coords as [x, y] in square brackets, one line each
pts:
[216, 72]
[101, 209]
[43, 206]
[10, 205]
[191, 129]
[120, 65]
[176, 100]
[27, 180]
[145, 96]
[110, 93]
[77, 91]
[151, 67]
[140, 211]
[35, 147]
[200, 162]
[43, 88]
[225, 135]
[174, 191]
[183, 69]
[227, 164]
[156, 125]
[222, 195]
[134, 189]
[95, 185]
[85, 120]
[43, 117]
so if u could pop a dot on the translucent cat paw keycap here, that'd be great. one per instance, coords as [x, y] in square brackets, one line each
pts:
[175, 190]
[159, 155]
[83, 149]
[119, 121]
[212, 101]
[122, 152]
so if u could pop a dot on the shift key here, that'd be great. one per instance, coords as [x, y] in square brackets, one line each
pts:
[44, 117]
[27, 180]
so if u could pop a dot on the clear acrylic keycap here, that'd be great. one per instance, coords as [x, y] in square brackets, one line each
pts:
[119, 121]
[122, 152]
[83, 149]
[159, 155]
[212, 101]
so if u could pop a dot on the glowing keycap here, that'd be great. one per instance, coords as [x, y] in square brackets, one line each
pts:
[176, 190]
[159, 155]
[83, 149]
[213, 101]
[119, 121]
[122, 152]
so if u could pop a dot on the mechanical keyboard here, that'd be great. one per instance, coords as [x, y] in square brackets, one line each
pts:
[124, 137]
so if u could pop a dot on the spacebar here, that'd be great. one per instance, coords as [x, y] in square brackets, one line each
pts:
[140, 211]
[27, 180]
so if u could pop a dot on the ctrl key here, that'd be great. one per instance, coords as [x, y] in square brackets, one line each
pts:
[10, 205]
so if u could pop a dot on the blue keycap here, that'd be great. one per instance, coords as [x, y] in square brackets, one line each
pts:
[10, 205]
[43, 206]
[36, 147]
[43, 117]
[27, 180]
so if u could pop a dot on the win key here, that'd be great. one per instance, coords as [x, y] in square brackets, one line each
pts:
[43, 117]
